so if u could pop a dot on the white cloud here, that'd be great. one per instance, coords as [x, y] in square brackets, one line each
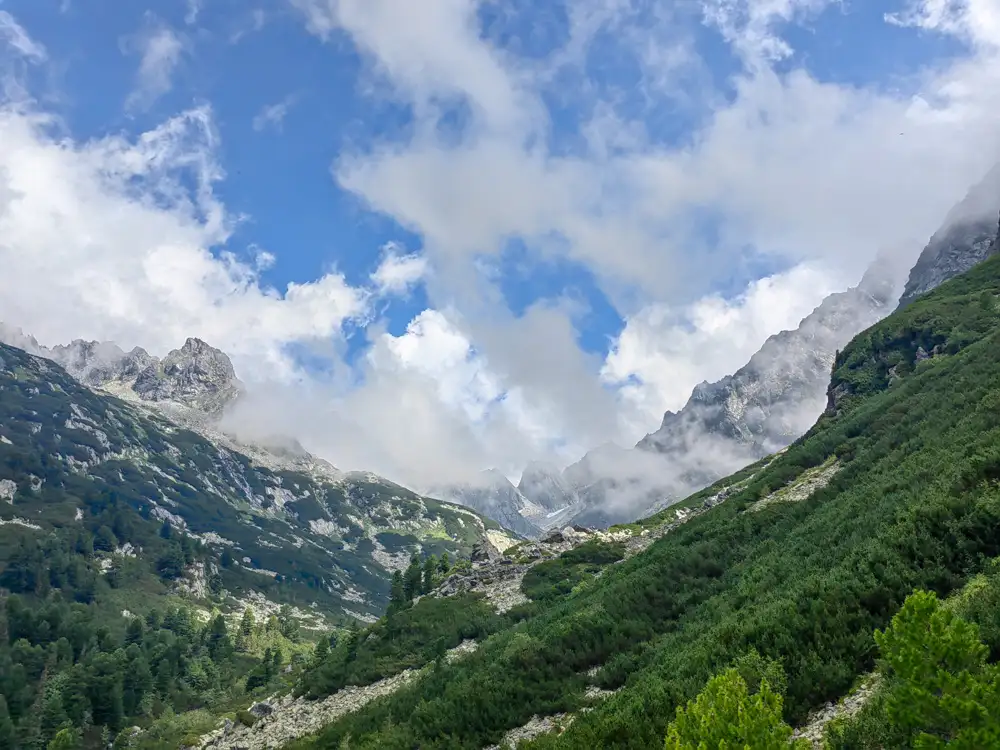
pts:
[811, 173]
[106, 239]
[13, 35]
[751, 25]
[977, 21]
[398, 272]
[101, 240]
[160, 49]
[252, 23]
[663, 353]
[273, 115]
[193, 10]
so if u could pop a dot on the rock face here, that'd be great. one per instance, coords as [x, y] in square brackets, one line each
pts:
[544, 485]
[761, 408]
[780, 392]
[196, 376]
[493, 496]
[969, 235]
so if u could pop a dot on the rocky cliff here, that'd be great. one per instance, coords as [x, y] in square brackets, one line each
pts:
[196, 376]
[725, 425]
[493, 495]
[967, 237]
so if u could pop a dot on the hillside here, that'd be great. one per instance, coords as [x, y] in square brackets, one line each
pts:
[325, 541]
[800, 557]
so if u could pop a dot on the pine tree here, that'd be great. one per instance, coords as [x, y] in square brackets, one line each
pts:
[134, 631]
[218, 639]
[445, 563]
[396, 593]
[244, 636]
[322, 649]
[53, 717]
[725, 715]
[138, 680]
[943, 691]
[430, 565]
[65, 739]
[412, 579]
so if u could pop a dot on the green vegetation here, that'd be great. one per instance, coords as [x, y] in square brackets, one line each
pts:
[725, 715]
[288, 535]
[557, 577]
[915, 505]
[938, 685]
[72, 677]
[408, 638]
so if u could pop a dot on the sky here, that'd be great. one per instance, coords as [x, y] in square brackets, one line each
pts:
[447, 235]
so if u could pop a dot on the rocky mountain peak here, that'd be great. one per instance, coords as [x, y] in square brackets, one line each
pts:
[493, 495]
[196, 375]
[543, 484]
[967, 237]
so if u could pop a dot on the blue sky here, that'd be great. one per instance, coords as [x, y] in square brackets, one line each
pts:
[560, 172]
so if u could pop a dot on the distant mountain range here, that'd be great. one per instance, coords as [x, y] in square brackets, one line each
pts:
[148, 430]
[761, 408]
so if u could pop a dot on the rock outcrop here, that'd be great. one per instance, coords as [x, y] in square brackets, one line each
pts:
[196, 376]
[969, 235]
[761, 408]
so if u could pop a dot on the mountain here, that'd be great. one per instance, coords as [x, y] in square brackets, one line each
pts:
[196, 376]
[492, 495]
[297, 529]
[544, 485]
[966, 238]
[725, 425]
[782, 571]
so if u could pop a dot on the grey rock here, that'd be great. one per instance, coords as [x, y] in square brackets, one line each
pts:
[197, 375]
[484, 551]
[544, 485]
[493, 496]
[261, 709]
[969, 235]
[761, 408]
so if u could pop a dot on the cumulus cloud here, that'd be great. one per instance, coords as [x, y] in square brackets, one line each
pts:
[160, 49]
[781, 165]
[664, 352]
[105, 239]
[809, 173]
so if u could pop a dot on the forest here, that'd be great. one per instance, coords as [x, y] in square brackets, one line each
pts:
[77, 670]
[914, 506]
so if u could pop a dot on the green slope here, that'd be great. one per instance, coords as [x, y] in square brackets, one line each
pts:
[72, 458]
[914, 503]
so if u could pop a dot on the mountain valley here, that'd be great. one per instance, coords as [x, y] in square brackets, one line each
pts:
[169, 584]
